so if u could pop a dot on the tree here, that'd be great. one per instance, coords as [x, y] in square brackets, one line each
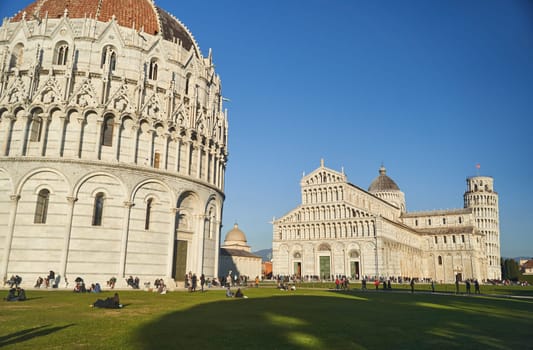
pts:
[510, 269]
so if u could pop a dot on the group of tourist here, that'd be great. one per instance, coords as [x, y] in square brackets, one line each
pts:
[237, 294]
[52, 280]
[133, 282]
[468, 286]
[341, 283]
[14, 281]
[16, 294]
[191, 282]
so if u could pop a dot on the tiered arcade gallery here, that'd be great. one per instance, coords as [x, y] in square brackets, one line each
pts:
[343, 230]
[112, 144]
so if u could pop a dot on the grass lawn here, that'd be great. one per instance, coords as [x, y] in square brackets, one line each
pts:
[268, 319]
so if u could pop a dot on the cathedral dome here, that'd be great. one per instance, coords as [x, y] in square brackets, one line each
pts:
[138, 14]
[383, 183]
[235, 235]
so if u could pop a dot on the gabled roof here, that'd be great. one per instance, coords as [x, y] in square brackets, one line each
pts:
[237, 252]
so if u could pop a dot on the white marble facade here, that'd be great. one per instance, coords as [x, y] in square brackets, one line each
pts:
[342, 229]
[112, 145]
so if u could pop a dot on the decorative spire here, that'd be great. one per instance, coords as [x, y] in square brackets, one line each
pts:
[321, 162]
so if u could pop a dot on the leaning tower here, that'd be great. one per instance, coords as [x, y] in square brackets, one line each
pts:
[481, 197]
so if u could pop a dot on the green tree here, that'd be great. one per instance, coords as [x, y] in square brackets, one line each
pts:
[510, 269]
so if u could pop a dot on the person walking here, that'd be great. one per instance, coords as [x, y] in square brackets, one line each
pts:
[476, 287]
[412, 285]
[202, 281]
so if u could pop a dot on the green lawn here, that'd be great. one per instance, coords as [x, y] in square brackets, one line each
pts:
[268, 319]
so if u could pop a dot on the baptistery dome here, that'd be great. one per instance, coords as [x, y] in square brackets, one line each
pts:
[113, 143]
[142, 15]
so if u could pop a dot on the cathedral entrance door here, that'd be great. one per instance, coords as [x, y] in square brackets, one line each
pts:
[354, 269]
[180, 260]
[325, 271]
[298, 269]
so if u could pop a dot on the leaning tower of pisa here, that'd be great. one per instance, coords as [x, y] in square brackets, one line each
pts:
[481, 197]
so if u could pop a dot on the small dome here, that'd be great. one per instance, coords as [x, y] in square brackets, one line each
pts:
[235, 235]
[383, 183]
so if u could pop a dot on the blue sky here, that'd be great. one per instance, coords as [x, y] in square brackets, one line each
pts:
[428, 88]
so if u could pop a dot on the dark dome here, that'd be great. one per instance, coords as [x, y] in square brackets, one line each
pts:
[138, 14]
[383, 183]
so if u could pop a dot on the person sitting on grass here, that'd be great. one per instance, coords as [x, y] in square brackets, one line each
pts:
[16, 294]
[109, 303]
[229, 294]
[238, 294]
[111, 282]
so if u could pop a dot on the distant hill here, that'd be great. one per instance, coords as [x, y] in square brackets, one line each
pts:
[265, 254]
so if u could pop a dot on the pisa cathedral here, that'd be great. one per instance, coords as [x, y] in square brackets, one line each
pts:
[342, 229]
[113, 144]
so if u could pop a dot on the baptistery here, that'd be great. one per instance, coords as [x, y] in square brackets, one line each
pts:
[113, 144]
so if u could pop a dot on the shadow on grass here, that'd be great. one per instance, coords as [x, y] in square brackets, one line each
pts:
[348, 321]
[27, 334]
[515, 291]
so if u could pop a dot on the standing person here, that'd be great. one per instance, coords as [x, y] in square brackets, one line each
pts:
[363, 284]
[467, 286]
[412, 285]
[476, 287]
[456, 285]
[432, 286]
[376, 284]
[202, 281]
[337, 283]
[256, 281]
[194, 282]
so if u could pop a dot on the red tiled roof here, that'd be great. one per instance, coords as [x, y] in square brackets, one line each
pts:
[128, 13]
[528, 264]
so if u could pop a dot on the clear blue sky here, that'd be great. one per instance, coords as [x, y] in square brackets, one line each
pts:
[429, 88]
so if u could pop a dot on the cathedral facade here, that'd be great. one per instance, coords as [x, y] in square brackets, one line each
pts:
[112, 144]
[342, 229]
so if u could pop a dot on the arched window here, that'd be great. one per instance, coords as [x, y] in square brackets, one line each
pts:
[440, 260]
[41, 209]
[187, 81]
[36, 129]
[148, 213]
[445, 241]
[17, 56]
[109, 58]
[98, 209]
[157, 159]
[107, 133]
[436, 240]
[460, 220]
[152, 70]
[61, 54]
[444, 221]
